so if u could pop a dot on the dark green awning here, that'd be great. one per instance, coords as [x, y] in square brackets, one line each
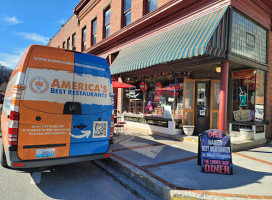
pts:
[206, 35]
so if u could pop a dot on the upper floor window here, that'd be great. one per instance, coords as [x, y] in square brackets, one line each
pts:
[107, 22]
[63, 45]
[94, 31]
[150, 5]
[74, 41]
[59, 46]
[83, 45]
[68, 43]
[126, 12]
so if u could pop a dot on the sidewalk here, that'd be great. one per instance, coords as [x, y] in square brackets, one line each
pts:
[169, 168]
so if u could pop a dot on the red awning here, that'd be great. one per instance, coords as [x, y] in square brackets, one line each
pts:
[116, 84]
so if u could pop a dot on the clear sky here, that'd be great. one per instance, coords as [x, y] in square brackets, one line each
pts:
[26, 22]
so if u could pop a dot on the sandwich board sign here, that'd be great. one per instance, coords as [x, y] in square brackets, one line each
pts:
[215, 152]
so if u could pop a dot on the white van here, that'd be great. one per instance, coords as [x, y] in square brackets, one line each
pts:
[57, 109]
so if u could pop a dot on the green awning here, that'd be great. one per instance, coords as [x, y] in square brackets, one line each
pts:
[206, 35]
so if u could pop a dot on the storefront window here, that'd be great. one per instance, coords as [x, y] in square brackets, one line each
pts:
[248, 95]
[259, 101]
[156, 96]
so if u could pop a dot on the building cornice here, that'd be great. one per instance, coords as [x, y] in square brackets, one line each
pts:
[80, 6]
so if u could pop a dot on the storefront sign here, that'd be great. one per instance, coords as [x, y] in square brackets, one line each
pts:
[242, 115]
[172, 94]
[245, 74]
[237, 127]
[158, 87]
[143, 86]
[179, 87]
[131, 93]
[215, 152]
[260, 129]
[147, 121]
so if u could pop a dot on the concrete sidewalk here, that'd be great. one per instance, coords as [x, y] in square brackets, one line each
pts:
[169, 169]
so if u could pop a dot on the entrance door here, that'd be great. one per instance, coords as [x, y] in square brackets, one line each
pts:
[202, 108]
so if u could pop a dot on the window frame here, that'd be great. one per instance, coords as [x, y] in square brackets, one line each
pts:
[125, 12]
[146, 7]
[93, 42]
[74, 41]
[83, 42]
[108, 8]
[68, 42]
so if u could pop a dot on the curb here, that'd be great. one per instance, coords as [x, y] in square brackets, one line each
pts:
[152, 185]
[134, 187]
[164, 191]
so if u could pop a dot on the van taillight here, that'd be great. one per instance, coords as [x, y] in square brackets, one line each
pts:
[13, 128]
[14, 116]
[112, 128]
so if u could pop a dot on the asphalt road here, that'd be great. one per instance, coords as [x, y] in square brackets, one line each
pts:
[77, 181]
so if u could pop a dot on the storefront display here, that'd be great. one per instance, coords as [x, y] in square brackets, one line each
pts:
[157, 95]
[248, 95]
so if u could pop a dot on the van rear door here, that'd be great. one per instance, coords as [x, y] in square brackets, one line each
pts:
[92, 106]
[44, 131]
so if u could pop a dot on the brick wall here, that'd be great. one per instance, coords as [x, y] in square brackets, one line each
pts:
[65, 32]
[269, 89]
[76, 23]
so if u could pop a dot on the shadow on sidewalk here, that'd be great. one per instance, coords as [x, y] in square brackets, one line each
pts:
[174, 163]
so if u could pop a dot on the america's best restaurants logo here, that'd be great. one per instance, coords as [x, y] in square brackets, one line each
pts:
[38, 85]
[78, 88]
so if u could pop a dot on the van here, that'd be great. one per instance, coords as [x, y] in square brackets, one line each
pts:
[57, 109]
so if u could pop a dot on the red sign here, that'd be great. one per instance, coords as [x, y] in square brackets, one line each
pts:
[158, 87]
[173, 94]
[245, 74]
[143, 86]
[179, 87]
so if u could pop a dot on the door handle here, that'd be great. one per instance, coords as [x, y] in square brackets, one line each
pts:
[80, 126]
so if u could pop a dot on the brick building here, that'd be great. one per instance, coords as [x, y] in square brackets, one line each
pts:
[195, 64]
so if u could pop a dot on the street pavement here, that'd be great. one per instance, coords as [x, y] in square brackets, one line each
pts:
[78, 181]
[169, 169]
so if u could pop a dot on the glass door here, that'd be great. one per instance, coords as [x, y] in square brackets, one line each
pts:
[202, 108]
[188, 102]
[215, 93]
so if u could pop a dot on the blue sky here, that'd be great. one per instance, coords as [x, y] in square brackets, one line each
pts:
[26, 22]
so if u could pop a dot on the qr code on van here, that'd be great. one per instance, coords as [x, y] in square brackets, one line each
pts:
[100, 129]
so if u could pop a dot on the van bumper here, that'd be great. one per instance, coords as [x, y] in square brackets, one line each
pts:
[14, 161]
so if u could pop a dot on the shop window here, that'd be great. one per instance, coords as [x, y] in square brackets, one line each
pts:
[126, 12]
[94, 31]
[74, 42]
[106, 30]
[83, 43]
[248, 38]
[248, 95]
[155, 96]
